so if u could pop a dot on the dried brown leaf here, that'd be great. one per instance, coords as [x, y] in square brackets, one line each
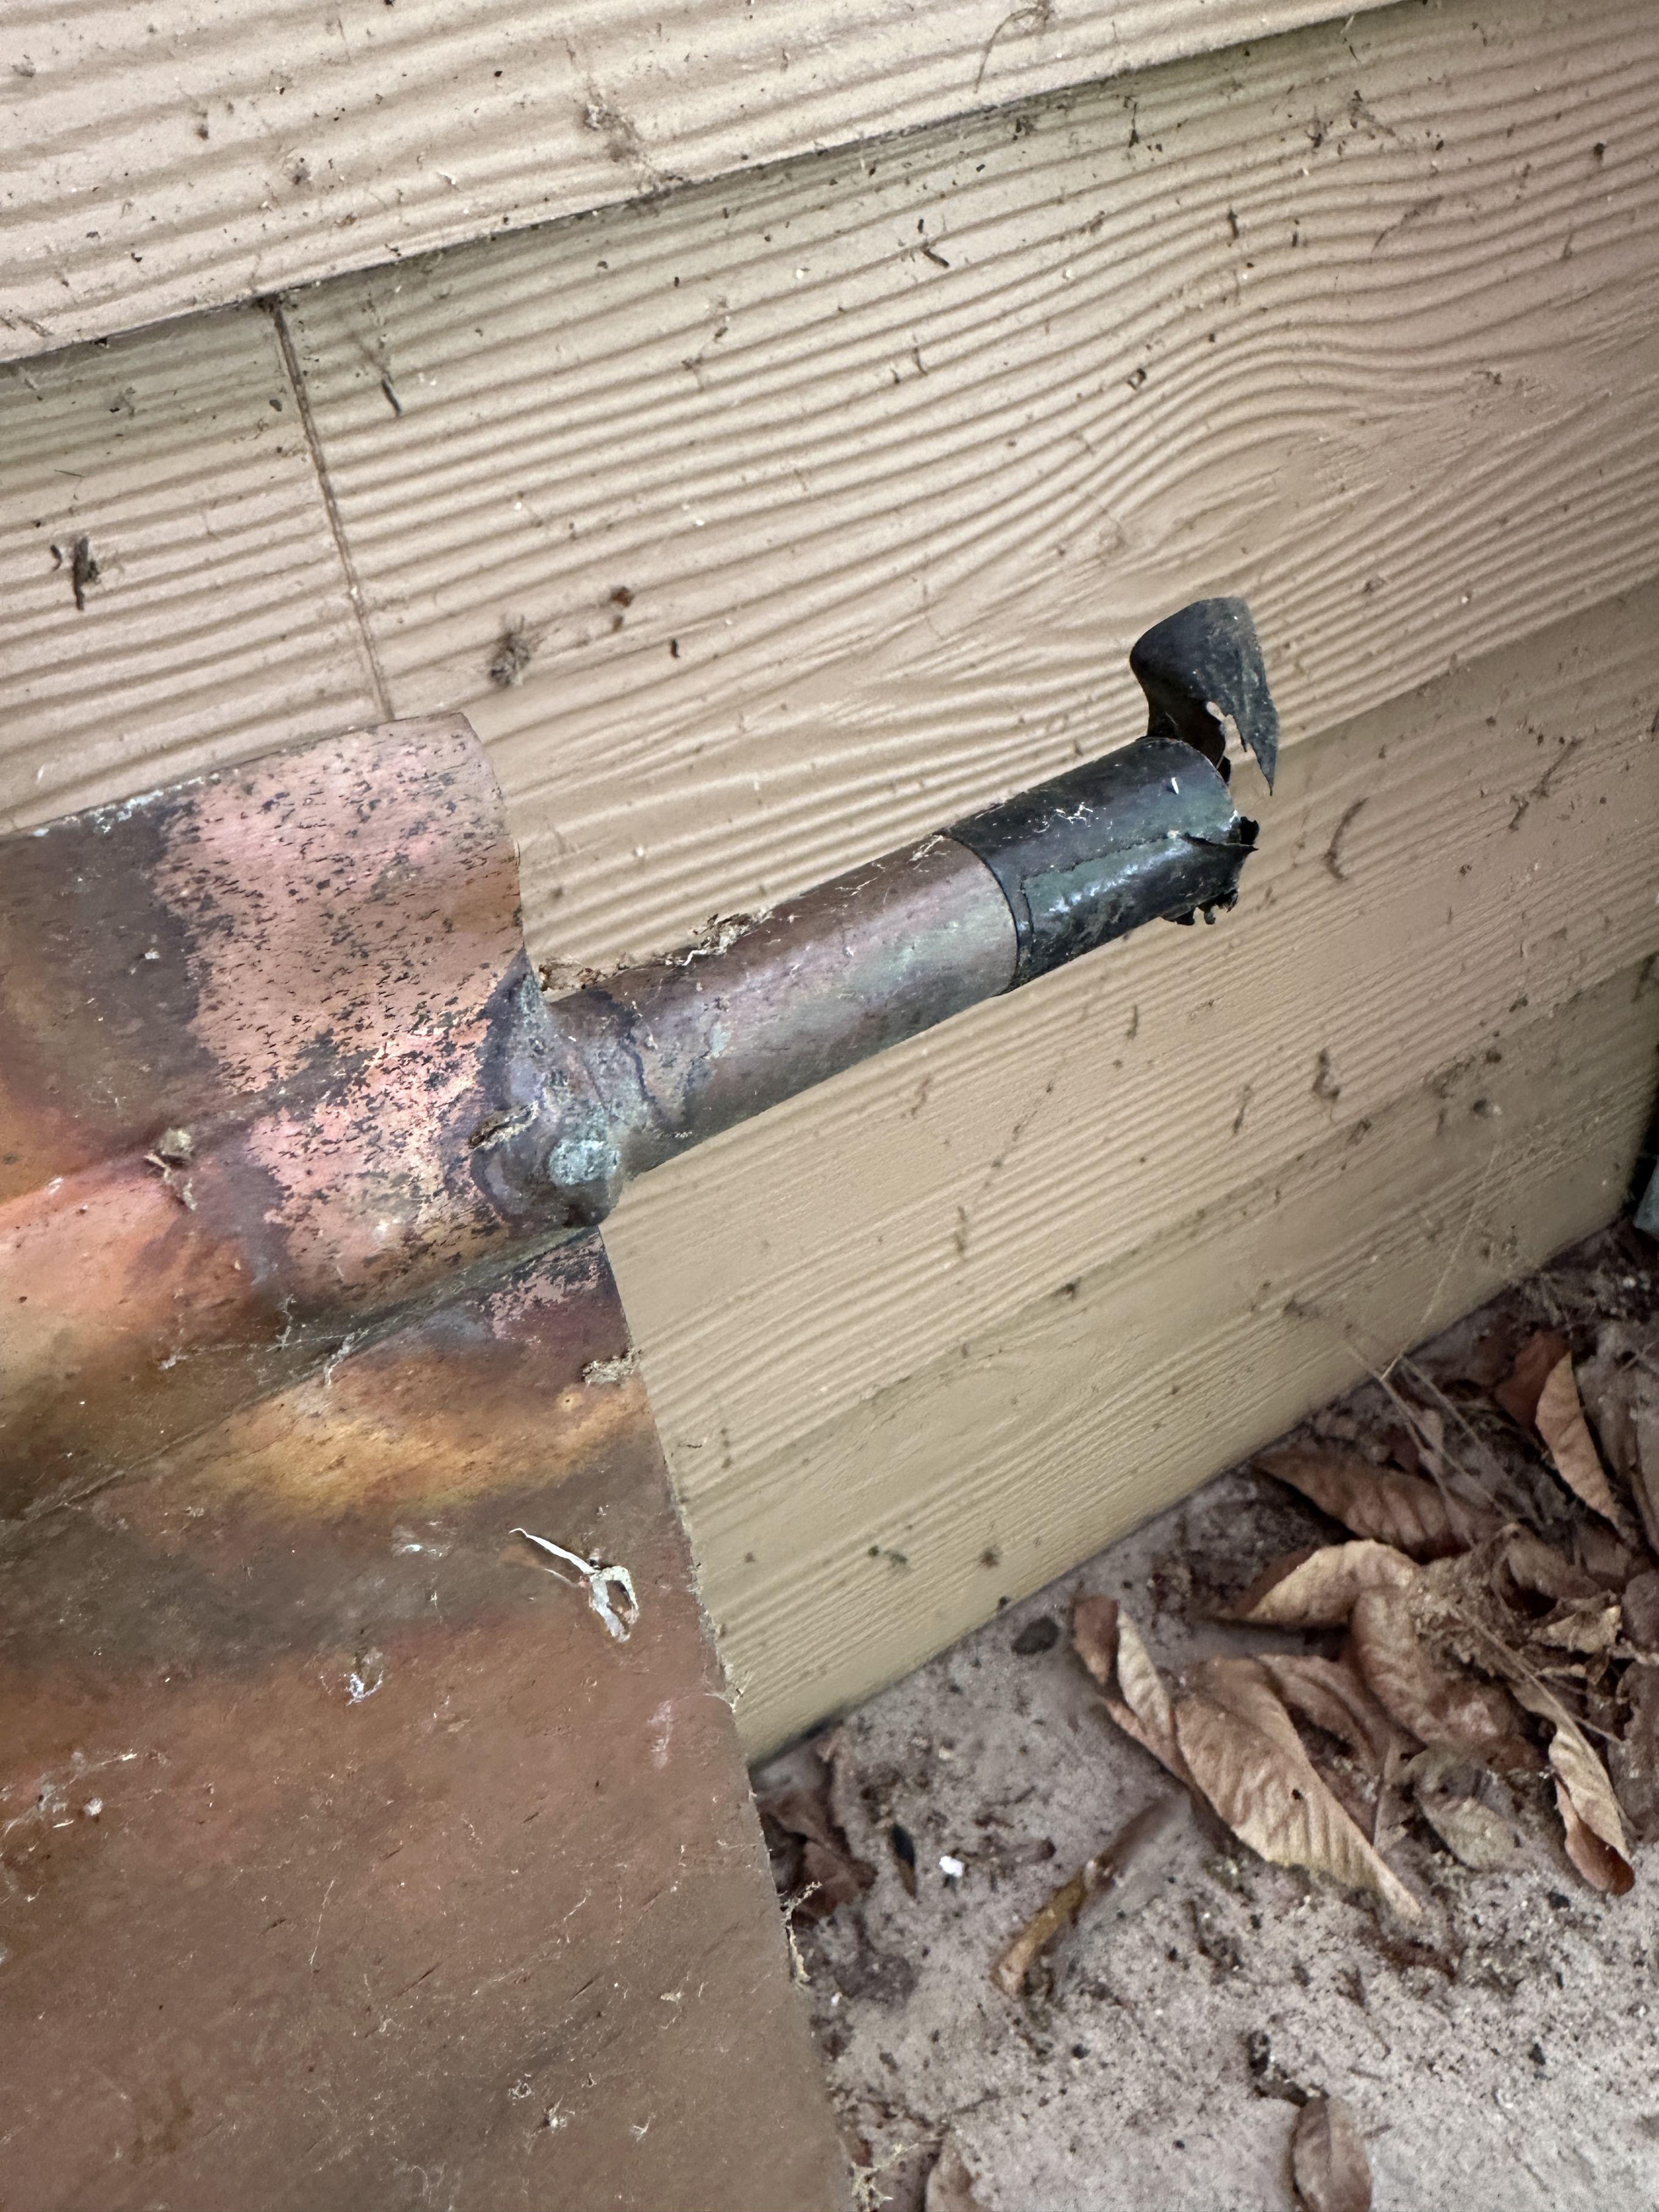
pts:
[1607, 1383]
[1403, 1448]
[1243, 1687]
[1644, 1478]
[1583, 1796]
[1483, 1358]
[1538, 1569]
[1619, 1388]
[1401, 1510]
[1466, 1807]
[1351, 1795]
[1141, 1842]
[1332, 1695]
[1317, 1588]
[1263, 1784]
[833, 1878]
[801, 1819]
[1560, 1421]
[1606, 1558]
[1329, 2163]
[1602, 1864]
[802, 1813]
[1642, 1611]
[1634, 1761]
[1388, 1822]
[1108, 1643]
[1589, 1628]
[950, 2184]
[1518, 1395]
[1428, 1432]
[1427, 1699]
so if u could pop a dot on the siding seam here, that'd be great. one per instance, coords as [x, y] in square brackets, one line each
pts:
[296, 379]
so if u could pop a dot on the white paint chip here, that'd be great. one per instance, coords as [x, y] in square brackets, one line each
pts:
[365, 1678]
[600, 1581]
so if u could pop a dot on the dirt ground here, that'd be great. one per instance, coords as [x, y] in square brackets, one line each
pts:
[1502, 2057]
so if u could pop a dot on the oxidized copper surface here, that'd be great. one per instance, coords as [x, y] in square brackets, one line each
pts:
[272, 1065]
[346, 1859]
[767, 1005]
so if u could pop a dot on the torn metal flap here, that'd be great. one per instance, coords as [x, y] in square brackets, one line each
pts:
[1201, 669]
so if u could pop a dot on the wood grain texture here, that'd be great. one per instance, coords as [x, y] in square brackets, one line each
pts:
[868, 1546]
[889, 525]
[220, 622]
[1432, 878]
[190, 153]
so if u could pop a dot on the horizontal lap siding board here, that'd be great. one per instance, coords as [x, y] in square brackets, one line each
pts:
[869, 1546]
[1432, 878]
[220, 622]
[882, 529]
[184, 154]
[876, 1276]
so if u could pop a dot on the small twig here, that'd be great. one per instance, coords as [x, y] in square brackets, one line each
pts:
[1150, 1830]
[1431, 1388]
[1435, 1452]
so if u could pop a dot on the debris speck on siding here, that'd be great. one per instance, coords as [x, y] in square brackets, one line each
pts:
[514, 651]
[718, 934]
[84, 571]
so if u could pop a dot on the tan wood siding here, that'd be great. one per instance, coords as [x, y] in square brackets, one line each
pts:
[867, 595]
[185, 154]
[1077, 1418]
[220, 621]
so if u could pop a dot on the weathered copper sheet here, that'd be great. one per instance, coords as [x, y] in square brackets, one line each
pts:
[346, 1859]
[271, 1055]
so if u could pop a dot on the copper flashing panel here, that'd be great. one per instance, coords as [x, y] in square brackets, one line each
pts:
[347, 1860]
[256, 1029]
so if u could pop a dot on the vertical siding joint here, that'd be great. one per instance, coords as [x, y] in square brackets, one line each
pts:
[331, 506]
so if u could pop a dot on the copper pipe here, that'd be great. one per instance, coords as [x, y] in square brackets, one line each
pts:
[683, 1047]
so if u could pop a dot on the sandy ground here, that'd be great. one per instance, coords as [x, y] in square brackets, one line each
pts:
[1505, 2059]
